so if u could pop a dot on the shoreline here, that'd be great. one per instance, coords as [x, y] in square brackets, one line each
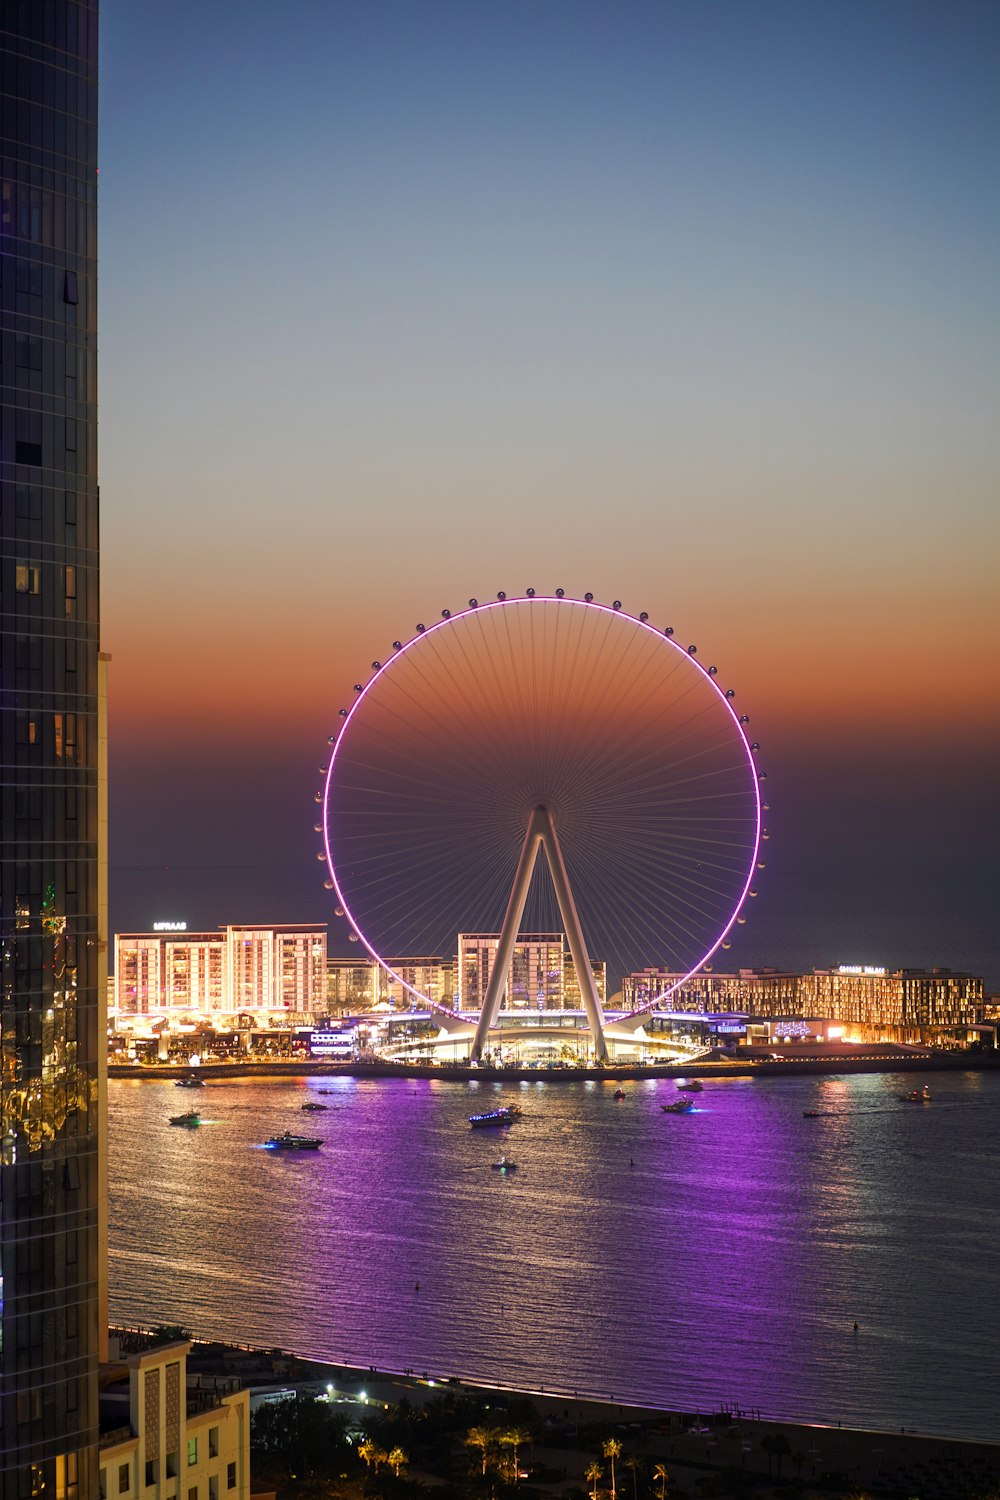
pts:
[832, 1457]
[949, 1062]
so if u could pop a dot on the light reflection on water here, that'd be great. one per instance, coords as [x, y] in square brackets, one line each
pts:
[679, 1261]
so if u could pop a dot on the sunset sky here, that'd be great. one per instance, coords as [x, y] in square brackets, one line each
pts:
[693, 305]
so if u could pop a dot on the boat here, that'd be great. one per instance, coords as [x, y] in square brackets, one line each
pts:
[191, 1118]
[503, 1165]
[505, 1114]
[810, 1114]
[311, 1104]
[289, 1142]
[618, 1094]
[681, 1107]
[192, 1081]
[694, 1087]
[916, 1096]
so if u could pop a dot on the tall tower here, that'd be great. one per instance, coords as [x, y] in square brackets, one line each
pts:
[50, 948]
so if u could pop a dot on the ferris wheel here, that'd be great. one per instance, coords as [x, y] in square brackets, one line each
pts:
[543, 763]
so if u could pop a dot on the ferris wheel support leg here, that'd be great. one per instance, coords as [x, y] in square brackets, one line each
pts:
[541, 832]
[574, 932]
[497, 984]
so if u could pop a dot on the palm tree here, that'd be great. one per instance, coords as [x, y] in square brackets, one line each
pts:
[368, 1451]
[662, 1478]
[593, 1475]
[775, 1445]
[484, 1438]
[516, 1437]
[397, 1460]
[612, 1448]
[634, 1464]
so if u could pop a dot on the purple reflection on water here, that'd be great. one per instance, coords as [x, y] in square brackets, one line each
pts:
[679, 1261]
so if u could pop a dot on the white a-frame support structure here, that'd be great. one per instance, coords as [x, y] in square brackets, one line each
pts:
[541, 834]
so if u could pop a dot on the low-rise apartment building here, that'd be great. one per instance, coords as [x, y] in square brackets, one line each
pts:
[172, 1443]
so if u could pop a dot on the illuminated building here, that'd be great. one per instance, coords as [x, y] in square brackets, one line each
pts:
[172, 1440]
[912, 1000]
[534, 978]
[51, 1058]
[432, 977]
[234, 969]
[899, 1004]
[350, 985]
[572, 998]
[354, 985]
[755, 991]
[278, 968]
[156, 971]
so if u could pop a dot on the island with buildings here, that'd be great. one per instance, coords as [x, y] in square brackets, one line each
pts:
[243, 993]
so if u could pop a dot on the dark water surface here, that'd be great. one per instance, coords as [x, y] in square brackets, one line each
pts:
[676, 1261]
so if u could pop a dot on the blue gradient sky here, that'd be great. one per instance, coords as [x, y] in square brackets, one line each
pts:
[694, 305]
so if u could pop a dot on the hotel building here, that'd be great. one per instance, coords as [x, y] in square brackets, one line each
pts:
[350, 985]
[432, 977]
[754, 991]
[277, 968]
[236, 969]
[894, 1004]
[51, 939]
[541, 974]
[157, 971]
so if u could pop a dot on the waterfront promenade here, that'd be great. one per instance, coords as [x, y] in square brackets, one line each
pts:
[877, 1058]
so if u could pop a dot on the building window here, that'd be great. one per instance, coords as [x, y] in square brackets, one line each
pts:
[213, 1487]
[64, 736]
[70, 592]
[29, 272]
[231, 1476]
[193, 1492]
[213, 1442]
[71, 290]
[27, 352]
[28, 453]
[27, 578]
[103, 1485]
[150, 1471]
[172, 1465]
[192, 1450]
[26, 730]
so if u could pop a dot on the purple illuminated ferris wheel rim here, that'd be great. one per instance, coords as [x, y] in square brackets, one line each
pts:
[450, 741]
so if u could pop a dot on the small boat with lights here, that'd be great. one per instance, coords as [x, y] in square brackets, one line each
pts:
[289, 1142]
[192, 1081]
[681, 1107]
[191, 1119]
[503, 1165]
[694, 1087]
[810, 1114]
[916, 1096]
[312, 1106]
[505, 1114]
[618, 1094]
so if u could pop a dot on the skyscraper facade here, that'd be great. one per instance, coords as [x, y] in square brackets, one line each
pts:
[50, 889]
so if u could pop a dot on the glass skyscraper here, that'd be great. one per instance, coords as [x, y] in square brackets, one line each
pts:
[50, 832]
